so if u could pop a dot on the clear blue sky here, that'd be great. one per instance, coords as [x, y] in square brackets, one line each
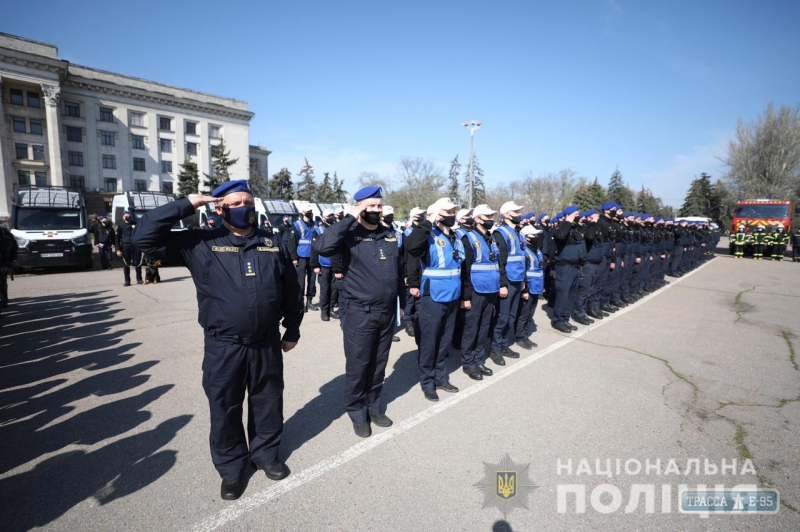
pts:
[655, 87]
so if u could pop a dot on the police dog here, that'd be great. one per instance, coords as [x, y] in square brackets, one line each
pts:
[151, 271]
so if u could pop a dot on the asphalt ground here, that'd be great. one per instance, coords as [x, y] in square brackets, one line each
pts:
[104, 424]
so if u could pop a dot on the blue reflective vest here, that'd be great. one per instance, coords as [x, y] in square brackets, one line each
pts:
[534, 273]
[443, 274]
[305, 233]
[485, 271]
[325, 262]
[515, 264]
[460, 232]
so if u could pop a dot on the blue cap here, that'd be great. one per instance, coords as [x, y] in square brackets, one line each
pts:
[590, 212]
[229, 187]
[367, 192]
[628, 213]
[569, 210]
[608, 205]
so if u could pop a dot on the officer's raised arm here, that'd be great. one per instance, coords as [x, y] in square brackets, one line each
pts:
[331, 240]
[154, 235]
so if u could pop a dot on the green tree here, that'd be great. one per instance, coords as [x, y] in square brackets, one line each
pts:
[258, 184]
[647, 203]
[220, 166]
[325, 191]
[454, 187]
[478, 186]
[590, 196]
[619, 192]
[188, 178]
[339, 193]
[698, 201]
[280, 186]
[307, 187]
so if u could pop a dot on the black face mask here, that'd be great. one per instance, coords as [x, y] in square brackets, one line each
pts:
[487, 224]
[469, 223]
[515, 220]
[371, 217]
[389, 219]
[535, 241]
[448, 221]
[330, 220]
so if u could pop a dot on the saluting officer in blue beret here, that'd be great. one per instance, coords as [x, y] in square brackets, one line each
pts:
[246, 284]
[370, 262]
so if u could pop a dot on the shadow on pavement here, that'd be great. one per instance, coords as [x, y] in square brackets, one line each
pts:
[314, 417]
[43, 341]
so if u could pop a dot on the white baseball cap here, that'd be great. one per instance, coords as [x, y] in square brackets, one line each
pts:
[510, 206]
[463, 213]
[529, 230]
[338, 210]
[416, 211]
[483, 210]
[326, 213]
[387, 210]
[444, 204]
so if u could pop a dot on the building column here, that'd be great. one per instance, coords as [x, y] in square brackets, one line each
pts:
[7, 179]
[52, 95]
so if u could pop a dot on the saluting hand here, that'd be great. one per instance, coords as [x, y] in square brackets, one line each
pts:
[199, 201]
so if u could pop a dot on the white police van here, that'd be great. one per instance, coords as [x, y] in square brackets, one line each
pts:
[50, 226]
[138, 203]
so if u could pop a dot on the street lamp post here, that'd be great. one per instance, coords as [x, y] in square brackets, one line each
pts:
[472, 125]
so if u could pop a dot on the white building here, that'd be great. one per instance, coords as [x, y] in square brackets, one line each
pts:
[70, 125]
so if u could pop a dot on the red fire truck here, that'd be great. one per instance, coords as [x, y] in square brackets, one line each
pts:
[766, 212]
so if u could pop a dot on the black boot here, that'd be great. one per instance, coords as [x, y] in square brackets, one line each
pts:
[310, 305]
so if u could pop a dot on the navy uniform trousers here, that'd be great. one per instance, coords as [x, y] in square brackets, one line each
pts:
[367, 333]
[525, 324]
[436, 323]
[477, 324]
[506, 317]
[586, 284]
[230, 370]
[325, 290]
[567, 278]
[306, 277]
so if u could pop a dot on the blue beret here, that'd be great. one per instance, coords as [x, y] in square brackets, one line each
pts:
[646, 216]
[529, 215]
[367, 192]
[608, 205]
[628, 213]
[569, 210]
[229, 187]
[590, 212]
[125, 212]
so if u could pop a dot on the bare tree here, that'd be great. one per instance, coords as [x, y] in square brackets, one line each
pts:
[764, 159]
[420, 182]
[540, 193]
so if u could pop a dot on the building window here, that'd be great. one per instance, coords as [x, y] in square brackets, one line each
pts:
[107, 138]
[164, 123]
[16, 97]
[19, 124]
[255, 166]
[214, 151]
[75, 158]
[72, 109]
[139, 164]
[215, 132]
[24, 177]
[140, 184]
[74, 134]
[106, 114]
[38, 152]
[110, 184]
[137, 119]
[165, 145]
[36, 126]
[34, 100]
[109, 161]
[166, 187]
[138, 142]
[191, 148]
[77, 182]
[191, 128]
[22, 151]
[166, 167]
[41, 179]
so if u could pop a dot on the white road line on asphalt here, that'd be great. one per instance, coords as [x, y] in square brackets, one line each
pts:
[248, 504]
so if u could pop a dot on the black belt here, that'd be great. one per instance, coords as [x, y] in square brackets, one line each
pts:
[593, 261]
[232, 338]
[565, 263]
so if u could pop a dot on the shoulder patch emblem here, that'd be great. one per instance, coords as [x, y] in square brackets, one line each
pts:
[440, 242]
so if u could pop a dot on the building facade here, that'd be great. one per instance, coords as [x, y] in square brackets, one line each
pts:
[105, 133]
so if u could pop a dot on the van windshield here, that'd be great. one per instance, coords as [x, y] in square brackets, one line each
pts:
[762, 211]
[177, 226]
[49, 219]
